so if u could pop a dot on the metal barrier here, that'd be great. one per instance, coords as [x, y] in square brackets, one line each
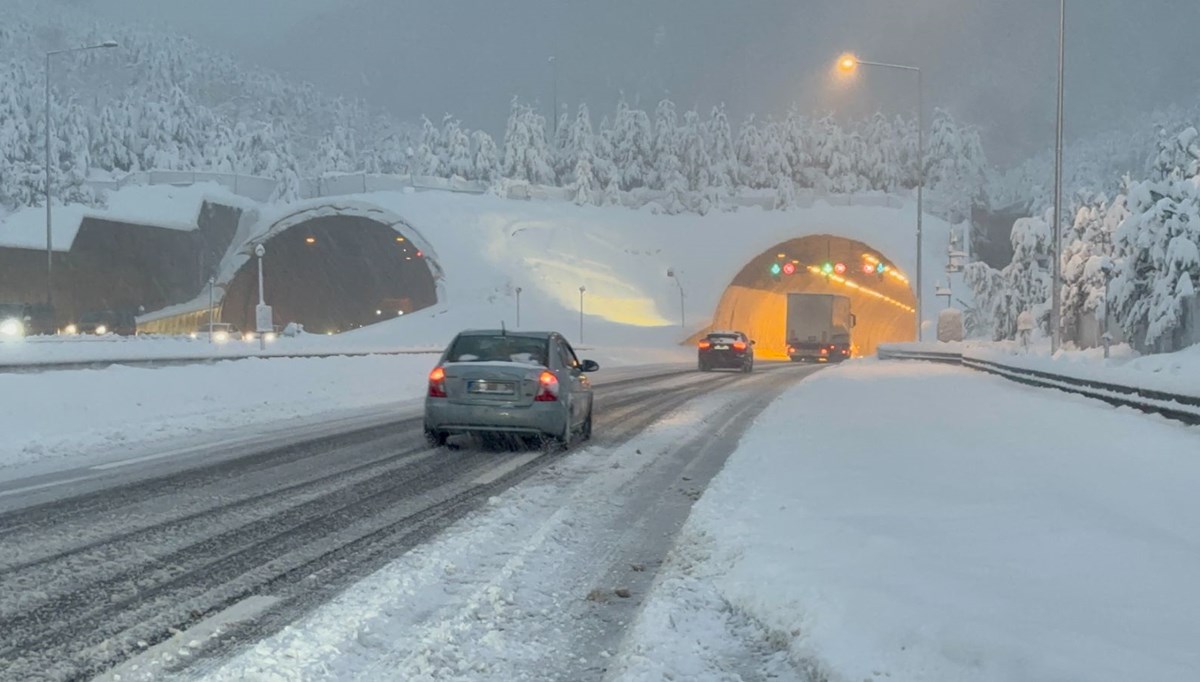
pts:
[169, 361]
[1178, 407]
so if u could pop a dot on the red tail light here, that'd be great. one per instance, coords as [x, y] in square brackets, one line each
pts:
[704, 344]
[547, 388]
[791, 350]
[739, 345]
[437, 383]
[824, 351]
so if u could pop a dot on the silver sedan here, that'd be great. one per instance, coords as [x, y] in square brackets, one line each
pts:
[497, 381]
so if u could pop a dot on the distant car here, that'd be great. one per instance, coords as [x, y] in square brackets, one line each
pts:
[523, 383]
[725, 350]
[122, 323]
[221, 332]
[14, 320]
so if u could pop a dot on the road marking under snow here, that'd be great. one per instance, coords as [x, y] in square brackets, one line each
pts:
[506, 468]
[41, 486]
[182, 645]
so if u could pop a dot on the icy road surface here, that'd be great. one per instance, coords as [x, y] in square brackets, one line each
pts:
[467, 576]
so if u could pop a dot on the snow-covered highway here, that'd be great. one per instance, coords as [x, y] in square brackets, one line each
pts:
[253, 541]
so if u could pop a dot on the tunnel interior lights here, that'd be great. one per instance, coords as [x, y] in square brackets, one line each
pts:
[851, 284]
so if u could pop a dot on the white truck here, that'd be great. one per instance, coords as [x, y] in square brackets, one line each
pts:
[818, 327]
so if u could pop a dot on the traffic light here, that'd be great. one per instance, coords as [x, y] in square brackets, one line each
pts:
[789, 269]
[881, 268]
[827, 268]
[775, 269]
[839, 268]
[868, 269]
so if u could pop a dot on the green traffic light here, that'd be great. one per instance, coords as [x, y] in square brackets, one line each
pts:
[881, 268]
[775, 268]
[827, 268]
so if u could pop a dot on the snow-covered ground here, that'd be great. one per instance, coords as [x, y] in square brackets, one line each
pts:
[908, 521]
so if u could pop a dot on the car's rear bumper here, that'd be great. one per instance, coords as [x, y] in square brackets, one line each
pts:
[719, 359]
[442, 414]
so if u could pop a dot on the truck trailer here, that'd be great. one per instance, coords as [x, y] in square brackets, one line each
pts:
[818, 327]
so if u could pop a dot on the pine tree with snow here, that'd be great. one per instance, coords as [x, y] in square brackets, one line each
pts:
[785, 193]
[632, 141]
[1158, 254]
[752, 158]
[460, 162]
[429, 161]
[1087, 248]
[665, 151]
[778, 166]
[579, 144]
[797, 142]
[487, 157]
[526, 154]
[583, 188]
[693, 153]
[721, 150]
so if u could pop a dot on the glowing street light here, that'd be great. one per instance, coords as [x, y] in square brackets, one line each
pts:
[848, 63]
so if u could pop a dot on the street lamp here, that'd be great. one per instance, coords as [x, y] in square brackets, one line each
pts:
[682, 312]
[49, 235]
[581, 290]
[1056, 283]
[518, 307]
[848, 63]
[554, 90]
[262, 312]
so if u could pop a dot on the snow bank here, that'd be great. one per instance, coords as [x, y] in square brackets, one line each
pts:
[910, 521]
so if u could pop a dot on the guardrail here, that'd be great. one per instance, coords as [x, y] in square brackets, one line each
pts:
[1178, 407]
[171, 361]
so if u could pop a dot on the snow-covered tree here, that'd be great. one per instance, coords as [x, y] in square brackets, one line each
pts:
[1158, 254]
[632, 141]
[583, 189]
[1087, 248]
[526, 154]
[459, 163]
[721, 151]
[752, 156]
[693, 153]
[429, 159]
[665, 152]
[578, 145]
[487, 157]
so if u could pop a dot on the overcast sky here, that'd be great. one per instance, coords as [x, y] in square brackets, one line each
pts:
[991, 62]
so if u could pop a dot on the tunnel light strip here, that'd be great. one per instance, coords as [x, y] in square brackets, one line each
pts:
[855, 285]
[896, 274]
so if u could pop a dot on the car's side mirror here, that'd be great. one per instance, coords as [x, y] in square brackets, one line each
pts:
[589, 366]
[853, 320]
[753, 342]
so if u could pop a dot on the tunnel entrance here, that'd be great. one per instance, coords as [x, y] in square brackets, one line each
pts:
[334, 273]
[882, 300]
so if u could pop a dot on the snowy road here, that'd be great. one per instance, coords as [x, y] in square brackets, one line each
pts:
[88, 582]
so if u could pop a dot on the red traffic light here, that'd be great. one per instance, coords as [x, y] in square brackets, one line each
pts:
[839, 268]
[789, 268]
[868, 269]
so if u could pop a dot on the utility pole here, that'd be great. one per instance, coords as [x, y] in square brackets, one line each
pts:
[1056, 285]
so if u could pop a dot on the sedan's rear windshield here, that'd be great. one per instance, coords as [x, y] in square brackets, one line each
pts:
[722, 338]
[499, 348]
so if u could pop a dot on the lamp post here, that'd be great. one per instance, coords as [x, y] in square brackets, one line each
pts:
[518, 307]
[262, 313]
[211, 282]
[849, 63]
[581, 290]
[1056, 282]
[49, 234]
[682, 311]
[554, 91]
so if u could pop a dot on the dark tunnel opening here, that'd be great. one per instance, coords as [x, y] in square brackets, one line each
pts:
[333, 274]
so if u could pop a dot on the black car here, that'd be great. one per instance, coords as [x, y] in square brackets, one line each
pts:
[725, 350]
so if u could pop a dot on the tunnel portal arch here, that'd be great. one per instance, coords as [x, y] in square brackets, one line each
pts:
[334, 267]
[756, 300]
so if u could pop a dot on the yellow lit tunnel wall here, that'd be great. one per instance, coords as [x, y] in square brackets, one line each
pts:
[756, 302]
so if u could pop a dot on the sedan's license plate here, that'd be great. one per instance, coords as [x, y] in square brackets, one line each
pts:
[720, 347]
[491, 387]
